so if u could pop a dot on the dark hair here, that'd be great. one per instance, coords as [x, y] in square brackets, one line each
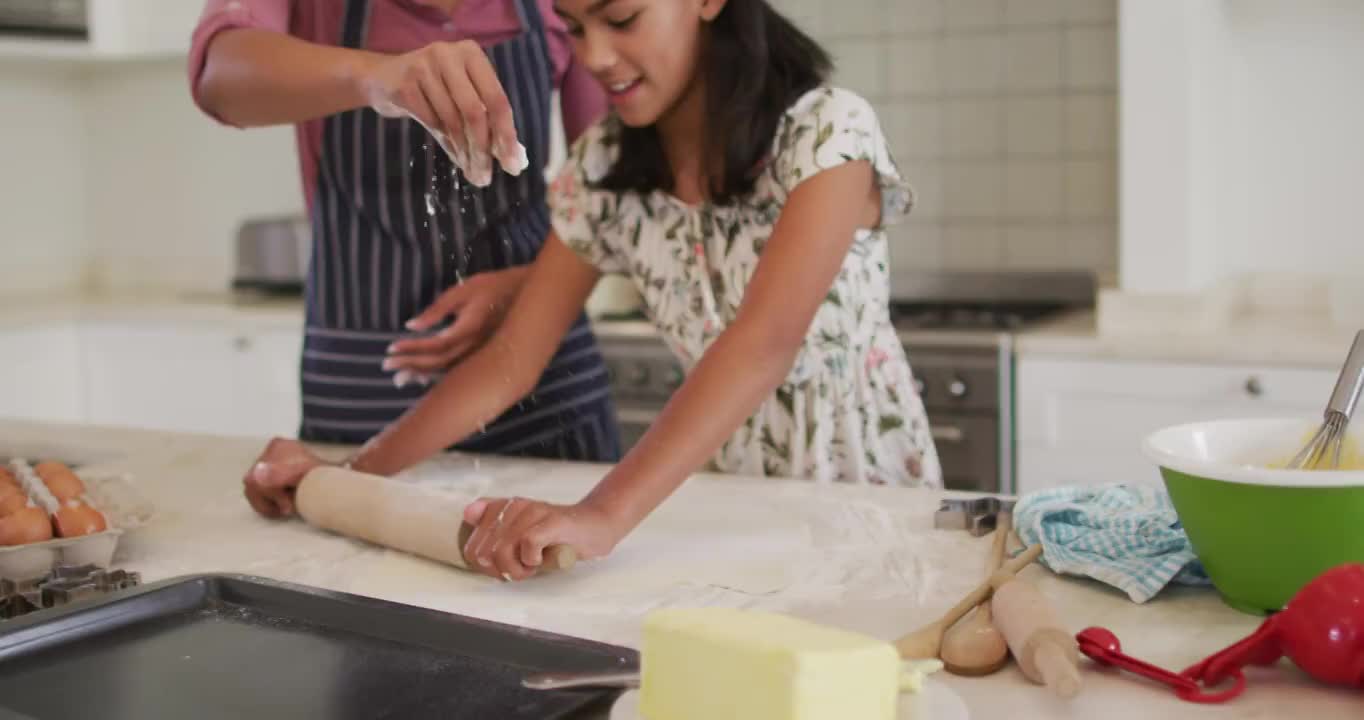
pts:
[756, 64]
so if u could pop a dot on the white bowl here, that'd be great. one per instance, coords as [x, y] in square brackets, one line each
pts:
[1241, 451]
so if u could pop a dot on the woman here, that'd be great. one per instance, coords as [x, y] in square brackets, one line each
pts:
[400, 239]
[748, 201]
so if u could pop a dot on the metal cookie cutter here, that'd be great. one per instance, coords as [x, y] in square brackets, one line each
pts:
[977, 516]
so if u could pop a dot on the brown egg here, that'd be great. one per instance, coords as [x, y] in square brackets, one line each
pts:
[7, 477]
[75, 519]
[60, 480]
[10, 502]
[28, 525]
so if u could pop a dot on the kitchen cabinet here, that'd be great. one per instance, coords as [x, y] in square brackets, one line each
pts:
[116, 30]
[191, 378]
[39, 373]
[1082, 421]
[266, 399]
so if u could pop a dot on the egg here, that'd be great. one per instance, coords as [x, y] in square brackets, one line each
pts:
[60, 480]
[75, 519]
[10, 502]
[7, 477]
[28, 525]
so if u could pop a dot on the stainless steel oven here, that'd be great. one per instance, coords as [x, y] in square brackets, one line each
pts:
[63, 18]
[957, 330]
[644, 374]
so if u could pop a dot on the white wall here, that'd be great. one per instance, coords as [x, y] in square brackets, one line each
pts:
[42, 179]
[168, 186]
[1241, 140]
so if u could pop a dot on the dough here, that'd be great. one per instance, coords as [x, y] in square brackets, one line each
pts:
[392, 513]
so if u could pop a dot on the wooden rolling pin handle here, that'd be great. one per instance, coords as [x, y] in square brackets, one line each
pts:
[397, 515]
[1057, 668]
[1046, 652]
[556, 557]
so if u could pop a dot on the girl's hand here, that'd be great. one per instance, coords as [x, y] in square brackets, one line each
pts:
[269, 484]
[453, 90]
[510, 535]
[478, 304]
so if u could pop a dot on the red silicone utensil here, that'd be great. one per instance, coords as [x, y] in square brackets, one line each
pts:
[1103, 647]
[1321, 630]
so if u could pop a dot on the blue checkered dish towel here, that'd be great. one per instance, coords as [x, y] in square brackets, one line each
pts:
[1125, 535]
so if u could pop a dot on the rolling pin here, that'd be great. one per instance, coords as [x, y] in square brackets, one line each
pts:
[1046, 652]
[395, 514]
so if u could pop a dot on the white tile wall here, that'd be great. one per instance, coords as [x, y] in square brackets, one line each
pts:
[1002, 114]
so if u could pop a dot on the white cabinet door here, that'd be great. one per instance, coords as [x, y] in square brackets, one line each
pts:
[1082, 422]
[159, 375]
[193, 378]
[39, 373]
[267, 398]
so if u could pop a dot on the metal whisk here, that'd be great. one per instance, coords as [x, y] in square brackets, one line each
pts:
[1339, 409]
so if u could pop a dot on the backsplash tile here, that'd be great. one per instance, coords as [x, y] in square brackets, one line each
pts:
[972, 128]
[1032, 59]
[1003, 116]
[1033, 125]
[972, 62]
[960, 14]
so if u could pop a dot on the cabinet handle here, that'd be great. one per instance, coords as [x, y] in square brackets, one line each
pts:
[1254, 387]
[947, 433]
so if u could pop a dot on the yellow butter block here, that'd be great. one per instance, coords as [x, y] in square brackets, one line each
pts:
[728, 664]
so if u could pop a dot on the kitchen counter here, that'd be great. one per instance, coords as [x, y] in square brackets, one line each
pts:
[1301, 339]
[1268, 340]
[864, 558]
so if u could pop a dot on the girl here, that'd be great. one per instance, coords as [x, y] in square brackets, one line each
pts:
[396, 246]
[747, 201]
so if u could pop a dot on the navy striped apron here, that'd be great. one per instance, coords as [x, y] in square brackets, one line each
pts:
[394, 224]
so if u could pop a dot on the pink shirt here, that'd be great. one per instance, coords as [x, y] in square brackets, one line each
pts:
[398, 26]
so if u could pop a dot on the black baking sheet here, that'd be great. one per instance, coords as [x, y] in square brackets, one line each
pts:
[228, 646]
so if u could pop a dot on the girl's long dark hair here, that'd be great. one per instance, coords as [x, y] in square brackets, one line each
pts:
[755, 64]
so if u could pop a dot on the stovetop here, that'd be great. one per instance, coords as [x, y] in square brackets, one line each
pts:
[969, 316]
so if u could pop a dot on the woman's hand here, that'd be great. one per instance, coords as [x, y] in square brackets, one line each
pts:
[269, 484]
[453, 90]
[479, 304]
[511, 536]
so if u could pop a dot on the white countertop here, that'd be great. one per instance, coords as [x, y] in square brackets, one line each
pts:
[1288, 339]
[862, 558]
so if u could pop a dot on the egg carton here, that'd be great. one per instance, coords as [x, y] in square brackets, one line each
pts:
[113, 495]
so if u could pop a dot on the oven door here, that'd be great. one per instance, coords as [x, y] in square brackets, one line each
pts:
[633, 423]
[968, 451]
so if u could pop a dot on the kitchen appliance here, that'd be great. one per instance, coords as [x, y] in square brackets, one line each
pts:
[272, 255]
[63, 18]
[232, 646]
[643, 375]
[957, 329]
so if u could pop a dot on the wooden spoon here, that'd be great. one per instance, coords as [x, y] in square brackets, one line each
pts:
[926, 642]
[974, 646]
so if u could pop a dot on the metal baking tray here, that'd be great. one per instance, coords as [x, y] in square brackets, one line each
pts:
[233, 646]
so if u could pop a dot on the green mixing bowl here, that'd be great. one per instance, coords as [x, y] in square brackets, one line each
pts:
[1261, 533]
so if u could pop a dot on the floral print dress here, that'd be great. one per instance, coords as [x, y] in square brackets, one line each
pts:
[848, 410]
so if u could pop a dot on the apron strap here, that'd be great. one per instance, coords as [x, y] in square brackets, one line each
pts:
[354, 23]
[529, 12]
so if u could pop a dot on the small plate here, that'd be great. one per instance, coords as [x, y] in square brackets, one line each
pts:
[935, 702]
